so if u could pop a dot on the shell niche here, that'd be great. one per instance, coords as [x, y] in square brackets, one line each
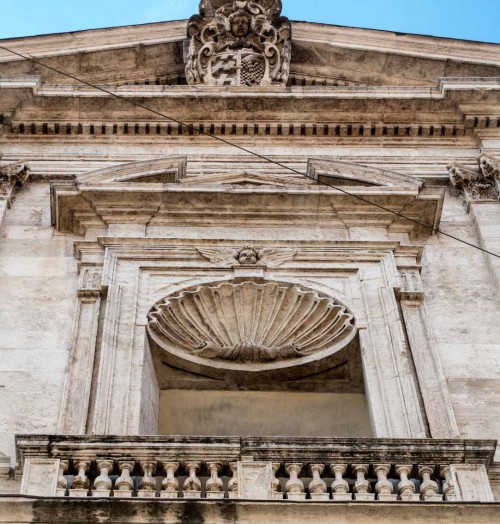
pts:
[250, 322]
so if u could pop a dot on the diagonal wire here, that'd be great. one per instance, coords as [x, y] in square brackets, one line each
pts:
[249, 151]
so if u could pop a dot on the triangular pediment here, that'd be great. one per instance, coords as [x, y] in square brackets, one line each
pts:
[247, 179]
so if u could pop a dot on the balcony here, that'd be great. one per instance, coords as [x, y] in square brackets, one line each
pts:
[259, 469]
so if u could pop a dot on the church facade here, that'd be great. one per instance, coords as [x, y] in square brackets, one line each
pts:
[249, 272]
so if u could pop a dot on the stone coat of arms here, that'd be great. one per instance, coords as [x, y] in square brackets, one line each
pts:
[239, 43]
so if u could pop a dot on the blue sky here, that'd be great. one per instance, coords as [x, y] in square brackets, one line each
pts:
[468, 19]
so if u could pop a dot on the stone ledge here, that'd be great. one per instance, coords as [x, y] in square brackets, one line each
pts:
[23, 510]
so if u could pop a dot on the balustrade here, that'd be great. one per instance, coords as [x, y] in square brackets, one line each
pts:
[316, 469]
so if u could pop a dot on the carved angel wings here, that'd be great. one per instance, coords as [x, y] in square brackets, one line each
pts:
[226, 256]
[275, 257]
[220, 256]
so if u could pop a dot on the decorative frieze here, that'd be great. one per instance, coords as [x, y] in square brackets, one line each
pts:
[239, 43]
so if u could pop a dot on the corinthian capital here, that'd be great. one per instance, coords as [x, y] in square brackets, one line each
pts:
[489, 166]
[475, 185]
[12, 178]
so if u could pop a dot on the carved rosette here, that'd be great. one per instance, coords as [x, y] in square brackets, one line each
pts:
[250, 323]
[239, 43]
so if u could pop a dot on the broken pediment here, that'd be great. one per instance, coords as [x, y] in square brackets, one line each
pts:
[164, 192]
[336, 173]
[163, 170]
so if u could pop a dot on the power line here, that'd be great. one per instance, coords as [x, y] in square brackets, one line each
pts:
[250, 152]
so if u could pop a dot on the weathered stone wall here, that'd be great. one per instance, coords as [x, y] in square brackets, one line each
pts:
[238, 413]
[37, 290]
[462, 303]
[116, 511]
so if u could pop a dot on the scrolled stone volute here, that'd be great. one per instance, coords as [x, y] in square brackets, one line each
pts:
[239, 43]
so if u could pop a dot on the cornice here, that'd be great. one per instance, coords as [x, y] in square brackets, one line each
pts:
[347, 37]
[348, 450]
[201, 91]
[399, 44]
[306, 250]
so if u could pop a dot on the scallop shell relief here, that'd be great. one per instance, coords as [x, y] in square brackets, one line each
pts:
[250, 322]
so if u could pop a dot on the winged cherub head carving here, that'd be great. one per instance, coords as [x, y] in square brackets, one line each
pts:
[248, 256]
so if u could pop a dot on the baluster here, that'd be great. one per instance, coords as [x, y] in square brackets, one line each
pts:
[384, 487]
[214, 486]
[81, 484]
[192, 485]
[340, 486]
[147, 485]
[429, 490]
[124, 484]
[449, 491]
[102, 483]
[294, 487]
[62, 482]
[406, 488]
[276, 493]
[362, 487]
[232, 486]
[317, 486]
[170, 485]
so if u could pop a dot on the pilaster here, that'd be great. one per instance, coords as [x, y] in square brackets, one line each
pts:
[481, 191]
[75, 406]
[433, 388]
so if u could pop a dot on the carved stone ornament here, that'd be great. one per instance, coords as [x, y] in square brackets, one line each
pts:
[247, 256]
[12, 177]
[476, 185]
[239, 43]
[251, 322]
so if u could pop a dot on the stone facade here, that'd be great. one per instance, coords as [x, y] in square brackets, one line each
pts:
[170, 301]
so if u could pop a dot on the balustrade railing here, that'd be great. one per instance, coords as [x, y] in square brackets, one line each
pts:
[257, 468]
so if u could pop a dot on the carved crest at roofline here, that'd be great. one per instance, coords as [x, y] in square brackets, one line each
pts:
[239, 43]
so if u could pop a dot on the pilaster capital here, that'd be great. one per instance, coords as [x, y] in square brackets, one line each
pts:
[475, 185]
[12, 178]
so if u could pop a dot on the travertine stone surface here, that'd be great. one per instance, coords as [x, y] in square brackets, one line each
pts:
[109, 213]
[215, 512]
[37, 289]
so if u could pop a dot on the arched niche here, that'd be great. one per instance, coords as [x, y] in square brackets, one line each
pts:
[257, 357]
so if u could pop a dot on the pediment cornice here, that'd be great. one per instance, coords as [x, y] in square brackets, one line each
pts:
[103, 198]
[93, 40]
